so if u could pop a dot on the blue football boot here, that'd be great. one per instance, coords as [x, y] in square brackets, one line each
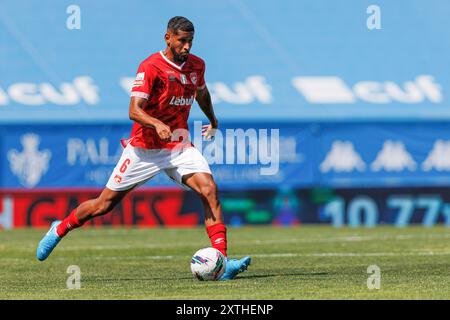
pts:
[49, 242]
[234, 266]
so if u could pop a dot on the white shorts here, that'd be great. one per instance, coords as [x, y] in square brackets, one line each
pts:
[137, 165]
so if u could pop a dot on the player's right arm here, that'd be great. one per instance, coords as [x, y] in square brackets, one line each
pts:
[140, 93]
[138, 114]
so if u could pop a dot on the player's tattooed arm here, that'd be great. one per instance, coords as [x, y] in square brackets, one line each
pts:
[203, 99]
[136, 113]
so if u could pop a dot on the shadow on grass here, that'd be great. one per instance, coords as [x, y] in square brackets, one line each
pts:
[243, 277]
[136, 279]
[240, 277]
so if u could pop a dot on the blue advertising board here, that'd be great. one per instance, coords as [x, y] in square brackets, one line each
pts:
[241, 156]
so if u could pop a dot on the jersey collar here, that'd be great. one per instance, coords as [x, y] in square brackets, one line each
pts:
[179, 67]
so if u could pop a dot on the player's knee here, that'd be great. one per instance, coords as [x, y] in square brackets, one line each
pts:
[209, 190]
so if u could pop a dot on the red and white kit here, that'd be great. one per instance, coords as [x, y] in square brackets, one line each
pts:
[170, 91]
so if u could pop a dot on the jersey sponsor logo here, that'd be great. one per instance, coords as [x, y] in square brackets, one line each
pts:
[193, 76]
[183, 79]
[30, 165]
[139, 81]
[140, 76]
[118, 179]
[181, 101]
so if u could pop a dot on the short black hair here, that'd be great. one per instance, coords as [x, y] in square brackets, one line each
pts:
[179, 23]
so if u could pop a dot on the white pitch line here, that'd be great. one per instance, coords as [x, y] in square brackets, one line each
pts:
[246, 243]
[286, 255]
[267, 255]
[352, 254]
[251, 242]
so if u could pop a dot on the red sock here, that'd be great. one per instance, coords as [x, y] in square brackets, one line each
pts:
[69, 223]
[217, 233]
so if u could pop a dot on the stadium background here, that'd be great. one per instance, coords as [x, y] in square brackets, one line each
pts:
[363, 115]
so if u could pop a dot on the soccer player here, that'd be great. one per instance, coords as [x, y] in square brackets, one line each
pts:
[166, 84]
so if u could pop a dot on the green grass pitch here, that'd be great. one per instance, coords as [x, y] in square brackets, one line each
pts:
[305, 262]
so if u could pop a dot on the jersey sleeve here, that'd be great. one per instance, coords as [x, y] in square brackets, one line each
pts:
[201, 79]
[143, 83]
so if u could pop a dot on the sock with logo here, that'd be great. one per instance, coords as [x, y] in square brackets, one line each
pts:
[217, 233]
[69, 223]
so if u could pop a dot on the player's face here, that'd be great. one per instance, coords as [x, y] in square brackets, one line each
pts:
[180, 43]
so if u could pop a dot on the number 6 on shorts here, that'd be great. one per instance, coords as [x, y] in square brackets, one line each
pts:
[124, 165]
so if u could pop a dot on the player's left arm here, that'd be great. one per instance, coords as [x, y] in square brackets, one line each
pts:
[203, 99]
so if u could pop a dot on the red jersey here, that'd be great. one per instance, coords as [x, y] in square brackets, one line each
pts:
[170, 91]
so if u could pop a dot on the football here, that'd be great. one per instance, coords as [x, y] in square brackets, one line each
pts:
[208, 264]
